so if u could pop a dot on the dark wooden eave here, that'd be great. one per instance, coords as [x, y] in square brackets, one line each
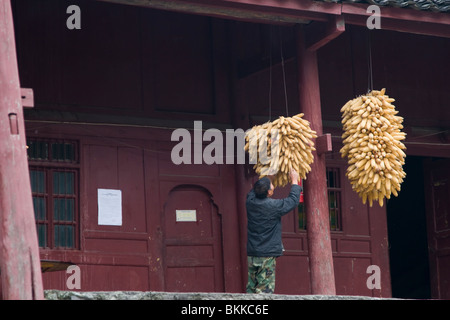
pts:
[251, 11]
[401, 19]
[319, 34]
[304, 11]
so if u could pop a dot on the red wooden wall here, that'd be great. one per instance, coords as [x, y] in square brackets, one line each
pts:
[150, 250]
[140, 63]
[130, 70]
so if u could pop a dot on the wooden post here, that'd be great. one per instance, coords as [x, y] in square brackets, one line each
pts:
[315, 195]
[19, 251]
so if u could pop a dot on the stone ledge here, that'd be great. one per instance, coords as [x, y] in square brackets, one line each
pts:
[155, 295]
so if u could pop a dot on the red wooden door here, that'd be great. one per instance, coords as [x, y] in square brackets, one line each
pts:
[437, 188]
[193, 242]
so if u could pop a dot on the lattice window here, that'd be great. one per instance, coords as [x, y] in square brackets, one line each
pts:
[49, 150]
[334, 202]
[334, 198]
[54, 186]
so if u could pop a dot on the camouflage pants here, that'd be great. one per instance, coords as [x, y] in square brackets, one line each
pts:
[261, 274]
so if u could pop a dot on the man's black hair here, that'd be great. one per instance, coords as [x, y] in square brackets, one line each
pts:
[262, 187]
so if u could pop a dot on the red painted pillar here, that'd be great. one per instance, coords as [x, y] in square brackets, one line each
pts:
[19, 252]
[315, 195]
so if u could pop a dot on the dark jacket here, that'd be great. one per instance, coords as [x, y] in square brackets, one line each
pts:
[264, 222]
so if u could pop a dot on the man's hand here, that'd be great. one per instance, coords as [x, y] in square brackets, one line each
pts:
[294, 176]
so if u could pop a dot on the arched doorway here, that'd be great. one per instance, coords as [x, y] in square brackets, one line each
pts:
[192, 241]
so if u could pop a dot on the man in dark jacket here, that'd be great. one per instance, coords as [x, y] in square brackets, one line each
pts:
[264, 231]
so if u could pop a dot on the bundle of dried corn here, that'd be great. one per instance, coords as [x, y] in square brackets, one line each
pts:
[372, 144]
[277, 147]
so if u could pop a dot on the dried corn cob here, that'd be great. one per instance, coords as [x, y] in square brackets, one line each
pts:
[372, 144]
[287, 141]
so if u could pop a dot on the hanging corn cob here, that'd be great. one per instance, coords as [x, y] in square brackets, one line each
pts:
[372, 144]
[279, 146]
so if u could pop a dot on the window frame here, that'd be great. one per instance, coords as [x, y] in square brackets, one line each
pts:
[49, 167]
[338, 190]
[301, 216]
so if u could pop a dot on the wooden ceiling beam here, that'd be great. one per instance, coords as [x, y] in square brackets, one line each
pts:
[401, 19]
[304, 11]
[318, 34]
[413, 27]
[270, 11]
[393, 13]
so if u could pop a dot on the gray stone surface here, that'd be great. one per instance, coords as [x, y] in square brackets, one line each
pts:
[154, 295]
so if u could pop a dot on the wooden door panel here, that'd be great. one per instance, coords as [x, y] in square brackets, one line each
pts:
[190, 279]
[437, 188]
[192, 242]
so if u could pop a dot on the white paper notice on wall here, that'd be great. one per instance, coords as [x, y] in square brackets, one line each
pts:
[109, 207]
[186, 215]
